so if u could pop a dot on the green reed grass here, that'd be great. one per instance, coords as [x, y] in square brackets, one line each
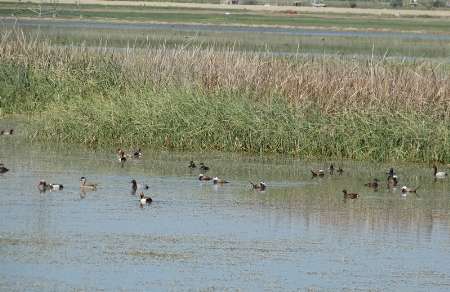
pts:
[204, 99]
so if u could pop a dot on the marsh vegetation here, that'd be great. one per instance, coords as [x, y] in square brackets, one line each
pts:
[202, 99]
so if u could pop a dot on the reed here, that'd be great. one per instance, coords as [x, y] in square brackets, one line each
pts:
[204, 99]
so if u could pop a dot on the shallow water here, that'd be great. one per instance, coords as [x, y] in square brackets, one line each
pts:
[298, 234]
[325, 32]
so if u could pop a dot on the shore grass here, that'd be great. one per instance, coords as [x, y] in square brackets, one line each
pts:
[200, 99]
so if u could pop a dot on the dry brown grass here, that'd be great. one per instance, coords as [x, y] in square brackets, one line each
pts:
[322, 10]
[330, 83]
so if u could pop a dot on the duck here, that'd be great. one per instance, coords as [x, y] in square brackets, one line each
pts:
[87, 186]
[3, 169]
[145, 200]
[203, 177]
[331, 169]
[391, 172]
[217, 180]
[121, 155]
[392, 181]
[203, 167]
[318, 172]
[261, 186]
[122, 158]
[137, 153]
[135, 186]
[372, 184]
[192, 164]
[6, 132]
[340, 171]
[440, 174]
[350, 195]
[405, 189]
[44, 186]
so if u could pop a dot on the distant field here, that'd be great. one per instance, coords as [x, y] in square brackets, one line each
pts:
[441, 12]
[240, 16]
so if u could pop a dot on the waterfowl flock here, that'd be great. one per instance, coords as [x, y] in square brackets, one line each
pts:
[85, 185]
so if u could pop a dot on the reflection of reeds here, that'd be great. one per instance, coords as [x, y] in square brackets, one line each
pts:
[227, 100]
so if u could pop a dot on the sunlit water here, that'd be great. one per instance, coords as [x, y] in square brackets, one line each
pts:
[299, 234]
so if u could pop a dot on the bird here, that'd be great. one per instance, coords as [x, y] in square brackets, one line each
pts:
[391, 172]
[217, 180]
[350, 195]
[405, 189]
[440, 174]
[3, 169]
[261, 186]
[43, 186]
[135, 186]
[192, 164]
[331, 169]
[203, 177]
[203, 167]
[318, 172]
[87, 186]
[145, 200]
[6, 132]
[372, 184]
[137, 153]
[392, 181]
[122, 158]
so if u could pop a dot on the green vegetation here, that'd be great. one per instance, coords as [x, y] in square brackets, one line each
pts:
[204, 99]
[239, 16]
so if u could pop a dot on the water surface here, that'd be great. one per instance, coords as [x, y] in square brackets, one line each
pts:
[299, 234]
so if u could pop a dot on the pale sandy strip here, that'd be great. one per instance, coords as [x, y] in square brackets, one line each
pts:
[393, 12]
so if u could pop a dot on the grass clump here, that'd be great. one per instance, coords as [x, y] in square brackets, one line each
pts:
[204, 99]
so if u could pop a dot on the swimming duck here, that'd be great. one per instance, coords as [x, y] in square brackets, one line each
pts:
[135, 186]
[217, 180]
[405, 189]
[331, 169]
[122, 158]
[192, 164]
[43, 186]
[391, 172]
[3, 169]
[350, 195]
[392, 181]
[203, 177]
[4, 132]
[318, 172]
[259, 186]
[145, 200]
[87, 186]
[137, 154]
[340, 171]
[203, 167]
[440, 174]
[372, 184]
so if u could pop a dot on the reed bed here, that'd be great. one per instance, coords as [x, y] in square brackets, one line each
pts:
[201, 99]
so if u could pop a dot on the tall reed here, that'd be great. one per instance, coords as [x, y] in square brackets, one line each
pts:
[202, 99]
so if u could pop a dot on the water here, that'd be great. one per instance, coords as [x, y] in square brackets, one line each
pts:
[299, 234]
[88, 24]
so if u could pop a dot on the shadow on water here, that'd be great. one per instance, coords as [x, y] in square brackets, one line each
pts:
[299, 233]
